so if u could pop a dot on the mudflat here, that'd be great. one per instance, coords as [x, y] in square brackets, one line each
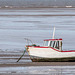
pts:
[9, 59]
[38, 64]
[10, 66]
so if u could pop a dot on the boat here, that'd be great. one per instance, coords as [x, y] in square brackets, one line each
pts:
[50, 52]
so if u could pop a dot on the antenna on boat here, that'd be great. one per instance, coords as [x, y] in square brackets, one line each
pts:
[53, 33]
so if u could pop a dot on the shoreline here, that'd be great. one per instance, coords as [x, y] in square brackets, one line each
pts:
[17, 8]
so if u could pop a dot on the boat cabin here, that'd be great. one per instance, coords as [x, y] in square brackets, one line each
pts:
[54, 43]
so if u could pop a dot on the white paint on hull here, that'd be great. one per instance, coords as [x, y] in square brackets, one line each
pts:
[49, 53]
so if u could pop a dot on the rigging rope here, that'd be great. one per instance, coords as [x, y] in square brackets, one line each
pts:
[21, 55]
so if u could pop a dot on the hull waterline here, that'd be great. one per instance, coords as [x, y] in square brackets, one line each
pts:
[38, 59]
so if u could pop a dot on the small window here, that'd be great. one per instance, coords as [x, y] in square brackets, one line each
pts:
[52, 44]
[46, 43]
[57, 45]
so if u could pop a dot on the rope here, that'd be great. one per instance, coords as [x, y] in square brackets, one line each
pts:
[21, 55]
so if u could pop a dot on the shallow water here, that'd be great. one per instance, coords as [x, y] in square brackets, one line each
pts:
[37, 25]
[54, 70]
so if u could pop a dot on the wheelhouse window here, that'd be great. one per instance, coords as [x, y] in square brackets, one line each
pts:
[46, 43]
[54, 44]
[50, 43]
[57, 45]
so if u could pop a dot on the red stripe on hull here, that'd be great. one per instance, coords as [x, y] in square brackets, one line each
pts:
[51, 48]
[69, 51]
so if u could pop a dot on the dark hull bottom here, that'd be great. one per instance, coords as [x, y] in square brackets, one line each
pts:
[69, 59]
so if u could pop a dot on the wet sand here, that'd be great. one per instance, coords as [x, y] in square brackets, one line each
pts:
[9, 59]
[25, 66]
[38, 64]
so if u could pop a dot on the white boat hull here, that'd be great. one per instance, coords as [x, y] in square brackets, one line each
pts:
[49, 54]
